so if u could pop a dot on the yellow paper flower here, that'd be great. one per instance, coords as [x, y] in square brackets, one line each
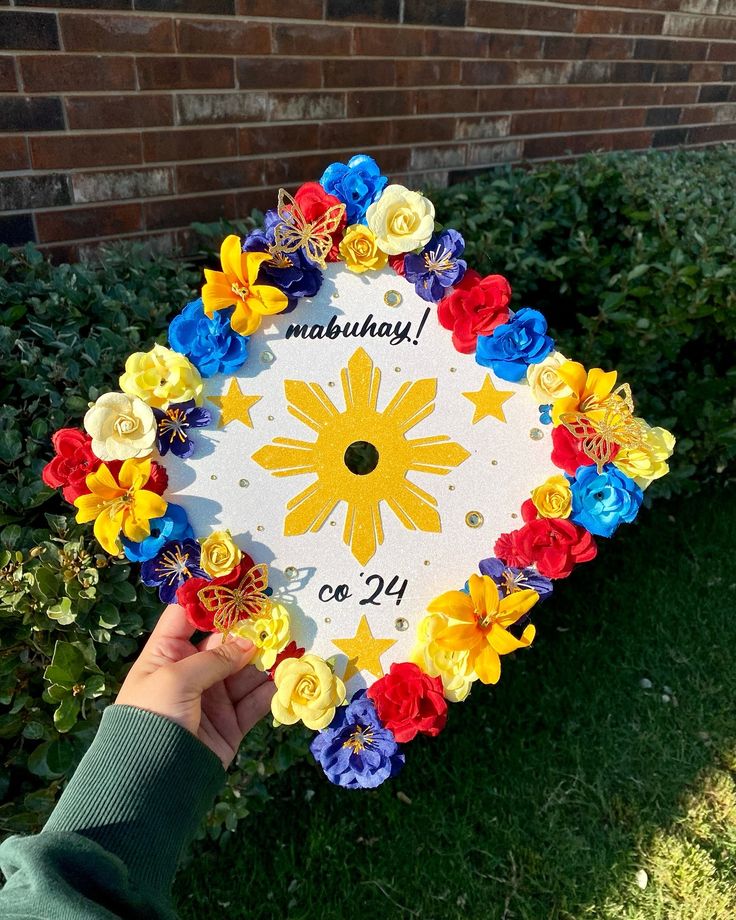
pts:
[220, 553]
[236, 285]
[122, 427]
[359, 250]
[477, 623]
[553, 499]
[160, 377]
[307, 690]
[586, 388]
[545, 381]
[270, 633]
[401, 220]
[120, 505]
[453, 667]
[649, 462]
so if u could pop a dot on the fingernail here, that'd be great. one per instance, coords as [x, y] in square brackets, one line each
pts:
[245, 645]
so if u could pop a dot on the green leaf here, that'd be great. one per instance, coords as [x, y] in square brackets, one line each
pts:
[66, 714]
[62, 612]
[67, 665]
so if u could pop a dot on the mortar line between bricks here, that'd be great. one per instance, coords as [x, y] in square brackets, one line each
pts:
[507, 139]
[287, 123]
[237, 17]
[342, 90]
[253, 157]
[152, 234]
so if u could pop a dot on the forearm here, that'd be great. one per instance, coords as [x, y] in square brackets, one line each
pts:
[115, 837]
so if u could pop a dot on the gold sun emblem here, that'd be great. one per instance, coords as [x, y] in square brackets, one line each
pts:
[394, 457]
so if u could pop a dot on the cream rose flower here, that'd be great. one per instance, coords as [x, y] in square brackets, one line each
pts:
[121, 427]
[453, 667]
[220, 553]
[649, 462]
[161, 376]
[401, 220]
[553, 499]
[307, 690]
[269, 633]
[359, 250]
[546, 384]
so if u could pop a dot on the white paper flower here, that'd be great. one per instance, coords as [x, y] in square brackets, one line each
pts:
[121, 427]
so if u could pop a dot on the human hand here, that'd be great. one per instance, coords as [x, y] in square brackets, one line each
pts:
[206, 689]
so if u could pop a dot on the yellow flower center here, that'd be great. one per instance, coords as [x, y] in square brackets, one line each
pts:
[403, 221]
[240, 290]
[360, 739]
[484, 619]
[125, 425]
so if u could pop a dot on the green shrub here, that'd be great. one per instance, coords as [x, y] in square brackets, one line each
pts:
[631, 258]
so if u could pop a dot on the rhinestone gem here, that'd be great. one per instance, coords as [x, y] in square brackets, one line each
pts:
[536, 434]
[392, 298]
[401, 624]
[291, 572]
[213, 476]
[244, 483]
[474, 519]
[267, 357]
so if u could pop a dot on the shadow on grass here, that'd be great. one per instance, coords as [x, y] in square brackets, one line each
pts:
[535, 800]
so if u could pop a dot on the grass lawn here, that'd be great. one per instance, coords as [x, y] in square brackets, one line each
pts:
[606, 749]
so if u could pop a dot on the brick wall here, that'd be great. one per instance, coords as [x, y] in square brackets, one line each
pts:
[132, 118]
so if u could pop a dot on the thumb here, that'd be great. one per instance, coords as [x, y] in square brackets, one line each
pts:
[204, 669]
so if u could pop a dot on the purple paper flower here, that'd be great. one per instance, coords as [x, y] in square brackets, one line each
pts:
[171, 567]
[292, 273]
[173, 424]
[438, 266]
[355, 750]
[510, 579]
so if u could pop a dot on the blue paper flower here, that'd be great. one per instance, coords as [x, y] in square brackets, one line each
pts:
[171, 567]
[211, 345]
[355, 750]
[292, 273]
[522, 341]
[509, 579]
[357, 185]
[438, 266]
[172, 526]
[545, 414]
[173, 424]
[602, 501]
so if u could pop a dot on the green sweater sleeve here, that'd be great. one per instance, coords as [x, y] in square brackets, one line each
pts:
[111, 845]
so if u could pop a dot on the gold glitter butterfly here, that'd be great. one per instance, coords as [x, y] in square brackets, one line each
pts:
[295, 232]
[246, 600]
[605, 424]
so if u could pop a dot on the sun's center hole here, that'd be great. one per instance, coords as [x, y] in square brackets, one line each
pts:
[361, 458]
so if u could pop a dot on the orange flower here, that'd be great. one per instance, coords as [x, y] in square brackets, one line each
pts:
[122, 504]
[236, 284]
[478, 623]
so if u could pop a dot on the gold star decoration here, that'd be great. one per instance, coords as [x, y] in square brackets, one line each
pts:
[234, 405]
[363, 651]
[488, 401]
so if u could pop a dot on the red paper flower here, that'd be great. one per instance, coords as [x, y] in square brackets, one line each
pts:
[313, 202]
[409, 702]
[529, 511]
[292, 650]
[397, 263]
[555, 545]
[475, 307]
[567, 450]
[196, 612]
[73, 461]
